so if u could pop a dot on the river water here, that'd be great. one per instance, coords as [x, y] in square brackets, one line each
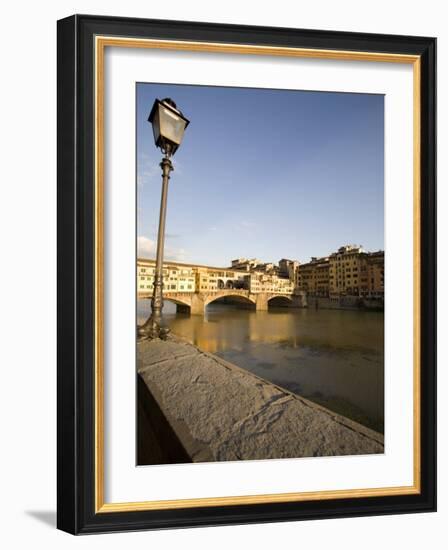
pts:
[332, 357]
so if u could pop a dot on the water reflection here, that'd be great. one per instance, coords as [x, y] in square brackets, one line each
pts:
[333, 357]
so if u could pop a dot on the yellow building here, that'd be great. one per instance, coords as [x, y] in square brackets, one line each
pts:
[348, 271]
[259, 282]
[176, 277]
[376, 274]
[313, 277]
[217, 278]
[354, 272]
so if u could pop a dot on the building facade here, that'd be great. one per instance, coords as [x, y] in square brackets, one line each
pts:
[180, 277]
[263, 282]
[348, 271]
[289, 269]
[351, 271]
[375, 278]
[313, 277]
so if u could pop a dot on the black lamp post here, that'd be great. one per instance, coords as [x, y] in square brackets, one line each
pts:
[168, 125]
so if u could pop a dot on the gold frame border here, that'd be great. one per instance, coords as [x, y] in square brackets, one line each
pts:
[101, 42]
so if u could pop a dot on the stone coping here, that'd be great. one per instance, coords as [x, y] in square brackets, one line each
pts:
[220, 411]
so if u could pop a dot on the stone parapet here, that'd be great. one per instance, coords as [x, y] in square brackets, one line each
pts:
[206, 409]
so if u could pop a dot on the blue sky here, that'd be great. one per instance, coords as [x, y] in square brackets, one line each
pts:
[263, 173]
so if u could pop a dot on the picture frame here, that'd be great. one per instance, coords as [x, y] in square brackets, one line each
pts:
[82, 41]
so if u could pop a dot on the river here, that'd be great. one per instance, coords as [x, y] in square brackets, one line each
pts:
[332, 357]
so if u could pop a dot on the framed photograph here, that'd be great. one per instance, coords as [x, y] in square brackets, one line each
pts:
[246, 274]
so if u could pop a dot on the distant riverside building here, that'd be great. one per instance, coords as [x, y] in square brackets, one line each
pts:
[254, 264]
[289, 269]
[257, 282]
[351, 271]
[245, 264]
[348, 271]
[313, 277]
[176, 277]
[375, 277]
[180, 277]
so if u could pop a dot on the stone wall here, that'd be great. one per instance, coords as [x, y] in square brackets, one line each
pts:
[212, 410]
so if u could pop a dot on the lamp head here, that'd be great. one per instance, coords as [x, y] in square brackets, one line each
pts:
[168, 125]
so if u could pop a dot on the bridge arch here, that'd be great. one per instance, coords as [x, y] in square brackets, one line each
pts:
[280, 301]
[183, 303]
[177, 301]
[231, 296]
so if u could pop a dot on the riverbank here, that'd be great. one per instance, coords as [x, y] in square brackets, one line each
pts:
[346, 303]
[196, 407]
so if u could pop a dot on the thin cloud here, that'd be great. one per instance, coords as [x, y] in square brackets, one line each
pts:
[248, 224]
[176, 254]
[147, 170]
[147, 248]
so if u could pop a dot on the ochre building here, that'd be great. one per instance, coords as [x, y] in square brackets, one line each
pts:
[351, 271]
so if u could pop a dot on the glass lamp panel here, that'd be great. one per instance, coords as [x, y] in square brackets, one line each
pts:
[156, 127]
[172, 126]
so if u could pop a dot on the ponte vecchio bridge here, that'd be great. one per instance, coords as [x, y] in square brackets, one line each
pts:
[193, 287]
[196, 302]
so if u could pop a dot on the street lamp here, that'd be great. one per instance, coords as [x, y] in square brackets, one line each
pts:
[168, 125]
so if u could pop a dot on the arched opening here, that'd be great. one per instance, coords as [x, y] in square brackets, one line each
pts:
[175, 306]
[221, 284]
[279, 301]
[232, 301]
[229, 284]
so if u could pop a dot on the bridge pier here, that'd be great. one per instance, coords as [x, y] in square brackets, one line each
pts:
[261, 302]
[197, 305]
